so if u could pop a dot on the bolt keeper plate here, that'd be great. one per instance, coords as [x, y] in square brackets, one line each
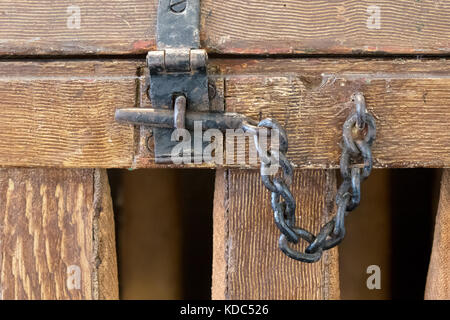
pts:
[177, 68]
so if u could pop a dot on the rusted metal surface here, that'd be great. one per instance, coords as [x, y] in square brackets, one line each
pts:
[177, 69]
[160, 118]
[179, 112]
[178, 24]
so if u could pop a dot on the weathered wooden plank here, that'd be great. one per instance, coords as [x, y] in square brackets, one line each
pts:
[247, 263]
[406, 98]
[438, 279]
[351, 26]
[81, 27]
[61, 114]
[57, 235]
[310, 97]
[105, 276]
[234, 26]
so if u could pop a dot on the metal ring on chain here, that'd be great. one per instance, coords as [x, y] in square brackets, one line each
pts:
[355, 166]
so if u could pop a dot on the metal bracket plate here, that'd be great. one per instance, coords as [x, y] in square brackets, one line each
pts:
[178, 24]
[178, 67]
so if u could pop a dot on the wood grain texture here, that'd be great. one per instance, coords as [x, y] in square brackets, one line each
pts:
[61, 114]
[53, 243]
[406, 99]
[77, 27]
[438, 279]
[259, 26]
[409, 99]
[219, 287]
[247, 262]
[105, 280]
[292, 26]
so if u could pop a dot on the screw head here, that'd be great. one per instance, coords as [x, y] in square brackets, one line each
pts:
[178, 6]
[149, 142]
[211, 90]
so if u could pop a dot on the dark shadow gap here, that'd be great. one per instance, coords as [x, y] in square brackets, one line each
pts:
[195, 194]
[413, 206]
[392, 229]
[214, 55]
[163, 232]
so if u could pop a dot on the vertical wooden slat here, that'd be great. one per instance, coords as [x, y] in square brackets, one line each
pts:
[247, 263]
[438, 279]
[56, 235]
[106, 286]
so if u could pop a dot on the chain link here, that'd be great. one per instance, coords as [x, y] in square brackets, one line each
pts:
[354, 151]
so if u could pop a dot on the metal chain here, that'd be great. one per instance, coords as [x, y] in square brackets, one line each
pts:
[354, 150]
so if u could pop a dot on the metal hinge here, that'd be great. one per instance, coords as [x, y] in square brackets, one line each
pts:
[178, 76]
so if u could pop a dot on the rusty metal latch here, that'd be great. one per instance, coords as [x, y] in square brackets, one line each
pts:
[179, 86]
[177, 70]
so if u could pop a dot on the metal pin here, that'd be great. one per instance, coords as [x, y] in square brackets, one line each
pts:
[178, 6]
[360, 104]
[179, 112]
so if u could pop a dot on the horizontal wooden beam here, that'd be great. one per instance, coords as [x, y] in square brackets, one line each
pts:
[233, 26]
[349, 26]
[61, 113]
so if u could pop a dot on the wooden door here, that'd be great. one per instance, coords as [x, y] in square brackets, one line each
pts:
[68, 65]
